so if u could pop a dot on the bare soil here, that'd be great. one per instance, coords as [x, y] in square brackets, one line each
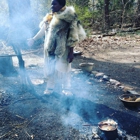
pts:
[116, 56]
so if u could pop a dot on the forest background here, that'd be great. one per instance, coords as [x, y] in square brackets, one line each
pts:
[112, 26]
[101, 15]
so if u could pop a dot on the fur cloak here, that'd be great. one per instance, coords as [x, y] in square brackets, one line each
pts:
[61, 32]
[64, 31]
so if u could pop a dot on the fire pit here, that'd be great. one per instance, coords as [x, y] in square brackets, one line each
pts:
[109, 130]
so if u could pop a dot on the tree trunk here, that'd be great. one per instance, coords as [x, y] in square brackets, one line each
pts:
[19, 31]
[106, 15]
[137, 19]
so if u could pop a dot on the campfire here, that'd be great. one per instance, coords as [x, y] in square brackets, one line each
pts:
[109, 130]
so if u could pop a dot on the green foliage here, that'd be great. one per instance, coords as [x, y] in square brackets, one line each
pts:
[84, 15]
[138, 32]
[91, 16]
[100, 5]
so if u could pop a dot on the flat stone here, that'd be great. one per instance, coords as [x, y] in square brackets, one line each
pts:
[133, 92]
[94, 72]
[126, 89]
[121, 87]
[99, 75]
[105, 78]
[115, 82]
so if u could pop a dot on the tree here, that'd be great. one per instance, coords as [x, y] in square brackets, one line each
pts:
[19, 29]
[106, 15]
[137, 16]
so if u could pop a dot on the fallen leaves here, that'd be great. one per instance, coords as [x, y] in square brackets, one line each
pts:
[98, 43]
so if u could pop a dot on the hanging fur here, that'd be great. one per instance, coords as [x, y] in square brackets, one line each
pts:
[58, 31]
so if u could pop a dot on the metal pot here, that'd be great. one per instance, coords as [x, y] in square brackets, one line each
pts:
[109, 129]
[130, 100]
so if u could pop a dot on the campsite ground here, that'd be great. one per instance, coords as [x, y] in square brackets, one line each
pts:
[25, 113]
[116, 56]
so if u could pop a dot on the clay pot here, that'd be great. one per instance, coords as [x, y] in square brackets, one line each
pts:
[86, 66]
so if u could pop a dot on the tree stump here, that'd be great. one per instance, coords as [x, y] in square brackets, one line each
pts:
[6, 66]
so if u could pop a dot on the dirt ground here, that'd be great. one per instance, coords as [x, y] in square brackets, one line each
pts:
[116, 56]
[26, 114]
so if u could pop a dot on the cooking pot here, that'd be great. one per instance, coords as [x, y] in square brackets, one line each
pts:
[130, 100]
[108, 128]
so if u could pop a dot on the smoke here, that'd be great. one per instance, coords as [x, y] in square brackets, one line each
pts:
[72, 119]
[3, 19]
[22, 23]
[21, 26]
[80, 108]
[20, 20]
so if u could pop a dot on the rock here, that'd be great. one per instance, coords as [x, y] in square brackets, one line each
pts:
[118, 84]
[127, 89]
[77, 53]
[77, 71]
[99, 75]
[121, 87]
[115, 82]
[94, 72]
[133, 92]
[112, 81]
[37, 81]
[105, 78]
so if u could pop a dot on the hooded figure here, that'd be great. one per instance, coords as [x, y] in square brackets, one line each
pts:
[62, 31]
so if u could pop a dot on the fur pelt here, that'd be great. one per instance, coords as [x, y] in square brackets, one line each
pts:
[58, 38]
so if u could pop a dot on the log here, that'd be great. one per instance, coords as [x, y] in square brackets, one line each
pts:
[131, 30]
[109, 34]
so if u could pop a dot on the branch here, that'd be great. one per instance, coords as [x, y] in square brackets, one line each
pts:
[130, 30]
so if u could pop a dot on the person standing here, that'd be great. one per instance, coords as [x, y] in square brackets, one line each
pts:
[62, 31]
